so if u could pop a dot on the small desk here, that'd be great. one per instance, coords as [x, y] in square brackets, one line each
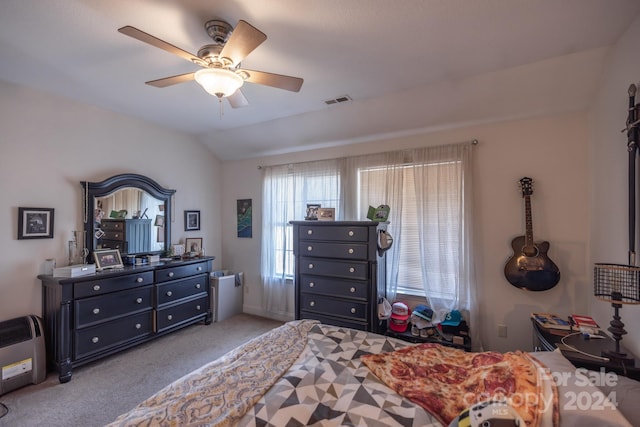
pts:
[547, 341]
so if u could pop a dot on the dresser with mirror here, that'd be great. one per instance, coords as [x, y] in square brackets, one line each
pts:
[93, 316]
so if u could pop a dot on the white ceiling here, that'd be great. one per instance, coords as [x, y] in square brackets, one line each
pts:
[408, 65]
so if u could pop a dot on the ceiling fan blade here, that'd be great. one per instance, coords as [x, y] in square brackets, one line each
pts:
[243, 40]
[237, 99]
[154, 41]
[173, 80]
[274, 80]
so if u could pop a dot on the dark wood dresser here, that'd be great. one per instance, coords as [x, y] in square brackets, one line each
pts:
[339, 275]
[90, 317]
[127, 235]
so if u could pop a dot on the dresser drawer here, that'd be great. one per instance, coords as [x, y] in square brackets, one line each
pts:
[89, 311]
[121, 245]
[334, 250]
[338, 233]
[114, 235]
[110, 225]
[333, 287]
[179, 272]
[113, 284]
[93, 340]
[333, 306]
[337, 268]
[336, 321]
[170, 292]
[180, 313]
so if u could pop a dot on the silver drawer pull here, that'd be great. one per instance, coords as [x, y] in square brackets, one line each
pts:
[198, 307]
[309, 232]
[352, 290]
[139, 280]
[138, 326]
[312, 304]
[170, 274]
[310, 266]
[169, 293]
[350, 233]
[95, 340]
[170, 317]
[311, 284]
[353, 311]
[199, 269]
[139, 300]
[309, 248]
[352, 270]
[96, 311]
[198, 286]
[96, 287]
[350, 250]
[116, 225]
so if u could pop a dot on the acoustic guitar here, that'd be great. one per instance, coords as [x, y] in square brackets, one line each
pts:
[529, 267]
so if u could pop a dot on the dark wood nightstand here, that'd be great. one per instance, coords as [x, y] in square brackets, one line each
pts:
[436, 339]
[547, 341]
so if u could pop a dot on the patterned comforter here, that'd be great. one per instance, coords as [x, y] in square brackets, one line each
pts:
[302, 373]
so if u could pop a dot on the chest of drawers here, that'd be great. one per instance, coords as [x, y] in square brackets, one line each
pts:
[127, 235]
[90, 317]
[339, 276]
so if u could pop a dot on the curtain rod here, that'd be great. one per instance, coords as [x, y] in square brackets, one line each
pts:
[473, 142]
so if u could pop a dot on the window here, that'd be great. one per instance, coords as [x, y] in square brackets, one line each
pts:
[413, 257]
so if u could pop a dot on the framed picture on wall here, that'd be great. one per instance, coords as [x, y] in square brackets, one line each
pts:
[191, 220]
[35, 223]
[244, 215]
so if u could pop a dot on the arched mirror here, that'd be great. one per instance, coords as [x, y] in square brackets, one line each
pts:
[128, 212]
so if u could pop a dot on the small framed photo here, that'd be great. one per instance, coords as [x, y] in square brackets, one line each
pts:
[35, 223]
[193, 244]
[108, 258]
[191, 220]
[326, 214]
[312, 212]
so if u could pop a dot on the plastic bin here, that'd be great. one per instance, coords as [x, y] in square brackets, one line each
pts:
[226, 294]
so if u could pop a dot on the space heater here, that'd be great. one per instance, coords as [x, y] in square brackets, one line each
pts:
[22, 353]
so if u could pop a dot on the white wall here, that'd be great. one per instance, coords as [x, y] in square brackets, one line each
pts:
[609, 174]
[552, 150]
[49, 144]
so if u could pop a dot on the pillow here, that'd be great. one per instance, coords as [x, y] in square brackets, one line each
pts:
[627, 396]
[581, 403]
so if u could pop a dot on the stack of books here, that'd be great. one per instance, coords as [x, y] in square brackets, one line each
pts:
[552, 323]
[585, 324]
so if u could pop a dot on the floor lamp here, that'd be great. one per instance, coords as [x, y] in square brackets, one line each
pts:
[617, 284]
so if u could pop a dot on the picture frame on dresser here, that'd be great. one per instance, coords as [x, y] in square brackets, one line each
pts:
[107, 259]
[35, 223]
[191, 220]
[193, 244]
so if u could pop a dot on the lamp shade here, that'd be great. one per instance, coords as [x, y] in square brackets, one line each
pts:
[617, 283]
[219, 82]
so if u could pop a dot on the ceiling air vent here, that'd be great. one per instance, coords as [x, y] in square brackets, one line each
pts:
[338, 100]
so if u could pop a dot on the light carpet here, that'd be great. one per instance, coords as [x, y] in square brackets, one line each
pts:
[100, 391]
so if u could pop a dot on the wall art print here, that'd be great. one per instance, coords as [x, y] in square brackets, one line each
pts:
[244, 215]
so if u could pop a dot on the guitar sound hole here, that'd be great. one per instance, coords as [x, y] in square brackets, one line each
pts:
[530, 251]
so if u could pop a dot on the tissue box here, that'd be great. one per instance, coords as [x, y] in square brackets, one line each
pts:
[74, 270]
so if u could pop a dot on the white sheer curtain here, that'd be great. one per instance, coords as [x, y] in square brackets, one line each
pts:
[287, 190]
[443, 189]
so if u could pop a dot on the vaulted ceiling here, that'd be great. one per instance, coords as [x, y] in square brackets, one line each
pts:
[407, 65]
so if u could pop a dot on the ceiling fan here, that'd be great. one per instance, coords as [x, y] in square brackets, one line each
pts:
[221, 74]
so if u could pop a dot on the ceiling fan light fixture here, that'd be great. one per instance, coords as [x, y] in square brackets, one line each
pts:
[219, 82]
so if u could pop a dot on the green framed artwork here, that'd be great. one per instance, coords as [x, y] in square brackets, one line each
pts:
[243, 210]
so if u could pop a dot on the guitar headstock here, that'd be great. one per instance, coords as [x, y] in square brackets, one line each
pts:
[527, 186]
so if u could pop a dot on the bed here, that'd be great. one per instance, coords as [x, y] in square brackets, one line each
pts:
[305, 373]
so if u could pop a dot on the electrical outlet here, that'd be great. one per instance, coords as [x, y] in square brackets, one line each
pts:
[502, 331]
